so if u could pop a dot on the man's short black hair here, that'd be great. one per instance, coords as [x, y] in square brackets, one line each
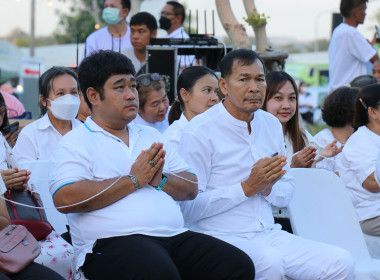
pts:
[97, 68]
[126, 4]
[144, 18]
[179, 10]
[338, 107]
[244, 56]
[346, 6]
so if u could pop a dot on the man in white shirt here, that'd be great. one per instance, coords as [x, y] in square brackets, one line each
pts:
[115, 36]
[125, 222]
[238, 153]
[171, 20]
[143, 28]
[349, 51]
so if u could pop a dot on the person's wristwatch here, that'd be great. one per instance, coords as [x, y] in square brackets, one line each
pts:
[135, 182]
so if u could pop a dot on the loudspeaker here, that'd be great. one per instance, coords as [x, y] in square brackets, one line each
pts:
[163, 60]
[336, 20]
[31, 97]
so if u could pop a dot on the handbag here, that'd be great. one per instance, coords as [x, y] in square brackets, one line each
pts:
[18, 248]
[33, 219]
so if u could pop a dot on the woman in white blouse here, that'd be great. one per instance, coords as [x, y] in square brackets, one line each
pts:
[338, 113]
[357, 162]
[59, 102]
[197, 88]
[281, 100]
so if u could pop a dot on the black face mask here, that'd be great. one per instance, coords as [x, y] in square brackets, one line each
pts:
[164, 23]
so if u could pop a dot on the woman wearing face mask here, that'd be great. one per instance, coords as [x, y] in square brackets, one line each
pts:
[281, 101]
[197, 88]
[59, 102]
[153, 102]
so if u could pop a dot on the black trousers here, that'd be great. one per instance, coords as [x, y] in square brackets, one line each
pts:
[34, 271]
[188, 255]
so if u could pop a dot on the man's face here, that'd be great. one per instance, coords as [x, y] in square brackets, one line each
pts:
[120, 101]
[140, 36]
[168, 12]
[376, 70]
[245, 88]
[117, 4]
[360, 13]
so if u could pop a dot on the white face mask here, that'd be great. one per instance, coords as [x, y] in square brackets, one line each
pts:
[65, 107]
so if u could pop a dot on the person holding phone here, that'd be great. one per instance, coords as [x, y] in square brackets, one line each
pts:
[11, 176]
[349, 51]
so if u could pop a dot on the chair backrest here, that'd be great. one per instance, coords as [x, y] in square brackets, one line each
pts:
[39, 179]
[321, 210]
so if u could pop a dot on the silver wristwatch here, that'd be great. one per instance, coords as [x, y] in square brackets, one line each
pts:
[135, 182]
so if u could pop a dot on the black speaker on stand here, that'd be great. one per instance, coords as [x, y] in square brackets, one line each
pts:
[336, 20]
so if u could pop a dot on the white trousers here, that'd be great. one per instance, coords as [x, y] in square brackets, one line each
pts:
[278, 254]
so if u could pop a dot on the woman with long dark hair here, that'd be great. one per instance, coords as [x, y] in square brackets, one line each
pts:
[281, 100]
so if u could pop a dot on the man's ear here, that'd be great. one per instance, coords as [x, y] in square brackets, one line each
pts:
[93, 96]
[223, 86]
[124, 12]
[154, 34]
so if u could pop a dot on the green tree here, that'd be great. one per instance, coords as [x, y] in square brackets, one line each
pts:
[80, 22]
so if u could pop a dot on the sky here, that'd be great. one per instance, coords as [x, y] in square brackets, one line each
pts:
[299, 20]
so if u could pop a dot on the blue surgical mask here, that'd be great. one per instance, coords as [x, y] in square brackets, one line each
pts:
[111, 15]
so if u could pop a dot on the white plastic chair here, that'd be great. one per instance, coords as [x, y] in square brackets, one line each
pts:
[321, 210]
[39, 179]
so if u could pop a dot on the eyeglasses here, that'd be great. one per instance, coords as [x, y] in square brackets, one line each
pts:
[146, 81]
[165, 14]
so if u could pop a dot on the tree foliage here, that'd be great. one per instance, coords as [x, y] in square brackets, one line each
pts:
[79, 23]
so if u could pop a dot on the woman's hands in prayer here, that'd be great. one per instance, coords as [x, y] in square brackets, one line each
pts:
[304, 158]
[264, 174]
[15, 179]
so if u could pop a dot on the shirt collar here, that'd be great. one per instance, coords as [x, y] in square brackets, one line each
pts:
[178, 32]
[94, 127]
[231, 119]
[44, 122]
[183, 120]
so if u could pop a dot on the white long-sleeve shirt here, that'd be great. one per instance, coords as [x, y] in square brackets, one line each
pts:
[221, 150]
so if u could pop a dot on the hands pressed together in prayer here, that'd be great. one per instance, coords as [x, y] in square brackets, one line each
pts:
[15, 179]
[148, 166]
[264, 174]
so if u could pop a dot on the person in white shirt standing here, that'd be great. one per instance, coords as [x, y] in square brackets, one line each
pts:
[143, 28]
[349, 51]
[238, 153]
[115, 36]
[172, 19]
[133, 228]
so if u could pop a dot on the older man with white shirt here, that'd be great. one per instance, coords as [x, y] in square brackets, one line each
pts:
[238, 153]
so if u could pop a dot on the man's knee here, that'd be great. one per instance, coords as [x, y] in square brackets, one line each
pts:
[344, 266]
